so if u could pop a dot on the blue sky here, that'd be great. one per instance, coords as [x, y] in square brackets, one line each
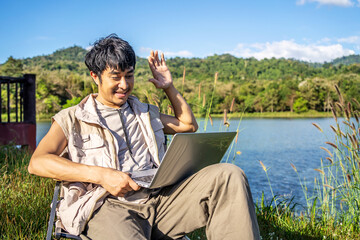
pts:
[311, 30]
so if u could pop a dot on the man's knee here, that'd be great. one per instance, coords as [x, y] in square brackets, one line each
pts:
[227, 171]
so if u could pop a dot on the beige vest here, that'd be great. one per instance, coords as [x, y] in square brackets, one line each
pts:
[91, 143]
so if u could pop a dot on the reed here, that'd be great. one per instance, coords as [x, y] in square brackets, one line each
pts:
[226, 123]
[199, 93]
[338, 191]
[232, 105]
[234, 143]
[211, 101]
[332, 207]
[272, 192]
[183, 81]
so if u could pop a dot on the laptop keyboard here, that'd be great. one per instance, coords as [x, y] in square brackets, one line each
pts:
[146, 179]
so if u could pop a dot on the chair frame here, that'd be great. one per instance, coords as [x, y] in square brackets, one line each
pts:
[59, 232]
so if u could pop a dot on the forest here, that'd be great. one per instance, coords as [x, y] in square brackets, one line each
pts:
[241, 85]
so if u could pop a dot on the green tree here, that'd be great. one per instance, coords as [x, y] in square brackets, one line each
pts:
[300, 105]
[12, 67]
[71, 102]
[52, 104]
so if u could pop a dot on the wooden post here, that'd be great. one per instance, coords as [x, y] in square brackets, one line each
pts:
[8, 101]
[30, 101]
[0, 103]
[16, 103]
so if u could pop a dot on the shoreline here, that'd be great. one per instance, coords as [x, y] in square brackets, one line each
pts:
[290, 115]
[310, 114]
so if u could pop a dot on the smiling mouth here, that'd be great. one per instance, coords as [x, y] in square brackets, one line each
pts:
[121, 94]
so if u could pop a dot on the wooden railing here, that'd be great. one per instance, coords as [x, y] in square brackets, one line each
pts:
[18, 111]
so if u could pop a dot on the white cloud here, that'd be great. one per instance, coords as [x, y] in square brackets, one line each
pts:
[291, 49]
[183, 53]
[352, 39]
[340, 3]
[145, 50]
[325, 40]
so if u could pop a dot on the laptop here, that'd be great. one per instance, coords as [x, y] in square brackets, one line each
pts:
[186, 154]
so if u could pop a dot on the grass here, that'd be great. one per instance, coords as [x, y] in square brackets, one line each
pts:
[24, 199]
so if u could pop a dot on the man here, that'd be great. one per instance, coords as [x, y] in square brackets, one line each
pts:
[109, 135]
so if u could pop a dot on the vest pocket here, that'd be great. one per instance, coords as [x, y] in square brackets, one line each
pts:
[90, 149]
[89, 141]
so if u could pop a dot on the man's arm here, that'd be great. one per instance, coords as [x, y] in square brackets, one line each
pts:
[184, 119]
[46, 162]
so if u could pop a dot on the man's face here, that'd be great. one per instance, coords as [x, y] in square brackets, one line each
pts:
[115, 86]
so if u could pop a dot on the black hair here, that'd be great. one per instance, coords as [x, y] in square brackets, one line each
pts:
[112, 52]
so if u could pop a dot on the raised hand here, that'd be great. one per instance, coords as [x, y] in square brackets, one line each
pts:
[161, 73]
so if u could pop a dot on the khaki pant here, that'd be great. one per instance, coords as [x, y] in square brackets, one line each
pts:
[217, 197]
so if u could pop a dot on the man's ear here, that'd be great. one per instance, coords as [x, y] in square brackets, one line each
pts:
[95, 77]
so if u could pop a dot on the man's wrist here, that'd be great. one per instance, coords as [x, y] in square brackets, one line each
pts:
[95, 174]
[170, 88]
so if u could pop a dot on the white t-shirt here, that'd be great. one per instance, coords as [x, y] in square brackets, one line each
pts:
[138, 158]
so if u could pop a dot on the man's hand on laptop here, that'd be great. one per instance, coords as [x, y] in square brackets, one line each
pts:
[118, 183]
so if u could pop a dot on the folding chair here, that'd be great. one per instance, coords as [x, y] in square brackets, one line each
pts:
[59, 231]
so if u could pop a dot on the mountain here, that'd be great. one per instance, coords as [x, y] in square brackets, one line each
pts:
[230, 68]
[71, 58]
[75, 54]
[348, 60]
[273, 84]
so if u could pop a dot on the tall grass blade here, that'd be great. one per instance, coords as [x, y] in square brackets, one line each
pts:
[183, 81]
[211, 101]
[313, 210]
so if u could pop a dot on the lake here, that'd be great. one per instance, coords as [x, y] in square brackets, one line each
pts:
[275, 142]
